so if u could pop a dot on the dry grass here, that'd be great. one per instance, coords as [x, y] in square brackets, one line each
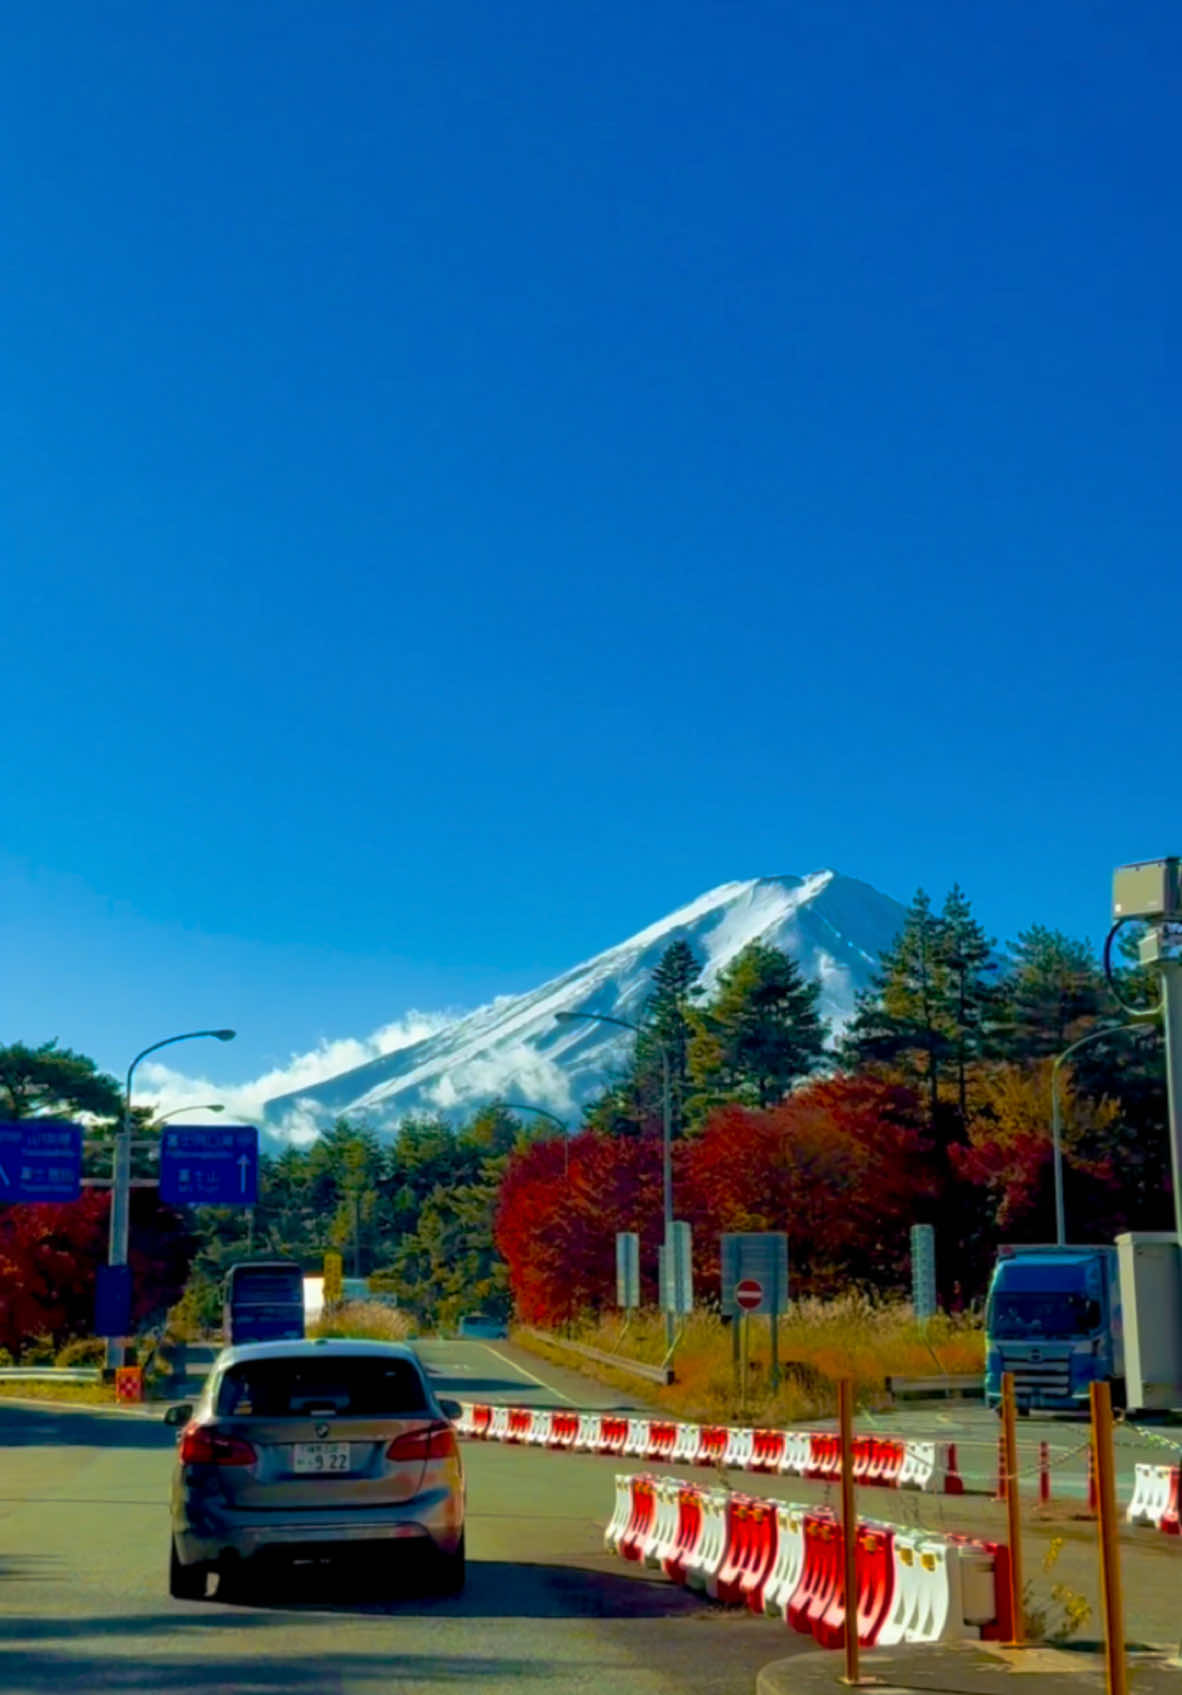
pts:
[92, 1394]
[818, 1343]
[368, 1320]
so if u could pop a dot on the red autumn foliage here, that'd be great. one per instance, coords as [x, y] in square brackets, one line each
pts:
[49, 1256]
[556, 1231]
[841, 1165]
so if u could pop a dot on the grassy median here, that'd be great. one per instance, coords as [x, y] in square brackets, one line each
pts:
[819, 1342]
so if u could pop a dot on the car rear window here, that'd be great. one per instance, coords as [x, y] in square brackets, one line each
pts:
[364, 1388]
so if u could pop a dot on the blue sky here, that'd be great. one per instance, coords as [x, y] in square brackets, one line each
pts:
[475, 477]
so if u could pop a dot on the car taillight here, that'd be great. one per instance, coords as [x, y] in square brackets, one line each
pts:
[202, 1446]
[432, 1442]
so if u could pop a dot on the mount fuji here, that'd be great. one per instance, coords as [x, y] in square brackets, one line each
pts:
[835, 927]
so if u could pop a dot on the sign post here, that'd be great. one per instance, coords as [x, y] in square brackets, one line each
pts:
[754, 1281]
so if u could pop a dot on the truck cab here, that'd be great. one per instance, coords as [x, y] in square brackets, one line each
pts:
[1054, 1319]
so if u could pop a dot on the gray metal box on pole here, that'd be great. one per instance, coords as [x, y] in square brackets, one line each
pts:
[627, 1269]
[923, 1271]
[677, 1272]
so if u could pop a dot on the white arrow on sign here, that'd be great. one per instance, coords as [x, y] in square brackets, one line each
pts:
[243, 1164]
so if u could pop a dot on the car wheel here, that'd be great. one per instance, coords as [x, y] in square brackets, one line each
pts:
[186, 1583]
[452, 1572]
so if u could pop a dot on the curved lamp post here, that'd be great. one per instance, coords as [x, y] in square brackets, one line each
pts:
[520, 1106]
[121, 1179]
[1057, 1118]
[205, 1106]
[666, 1124]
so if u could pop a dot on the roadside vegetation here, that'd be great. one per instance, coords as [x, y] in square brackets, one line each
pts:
[819, 1342]
[365, 1320]
[933, 1105]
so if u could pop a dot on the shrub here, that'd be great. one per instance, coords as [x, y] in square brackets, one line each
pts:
[365, 1319]
[83, 1350]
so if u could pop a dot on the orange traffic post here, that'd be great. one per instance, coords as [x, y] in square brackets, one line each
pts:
[1108, 1528]
[849, 1528]
[1009, 1438]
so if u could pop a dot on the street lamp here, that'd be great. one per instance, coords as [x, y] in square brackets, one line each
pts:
[121, 1177]
[666, 1129]
[520, 1106]
[1057, 1118]
[207, 1106]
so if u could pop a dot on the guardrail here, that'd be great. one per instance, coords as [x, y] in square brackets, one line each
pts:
[50, 1374]
[662, 1374]
[965, 1388]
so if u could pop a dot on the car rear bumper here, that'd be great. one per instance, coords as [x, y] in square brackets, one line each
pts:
[210, 1532]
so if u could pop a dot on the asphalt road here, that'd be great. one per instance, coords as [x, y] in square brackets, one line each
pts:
[84, 1604]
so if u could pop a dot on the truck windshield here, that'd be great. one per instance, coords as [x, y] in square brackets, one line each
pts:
[1026, 1314]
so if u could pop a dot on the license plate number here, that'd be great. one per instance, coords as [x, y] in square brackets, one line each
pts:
[317, 1457]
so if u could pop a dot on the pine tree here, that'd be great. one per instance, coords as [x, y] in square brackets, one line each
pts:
[1052, 993]
[667, 1027]
[966, 954]
[761, 1034]
[905, 1019]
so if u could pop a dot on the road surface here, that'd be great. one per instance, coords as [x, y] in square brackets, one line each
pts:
[84, 1605]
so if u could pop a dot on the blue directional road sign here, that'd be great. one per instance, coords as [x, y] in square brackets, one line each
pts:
[40, 1160]
[207, 1165]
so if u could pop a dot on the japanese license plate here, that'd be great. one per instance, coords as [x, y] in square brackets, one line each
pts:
[319, 1457]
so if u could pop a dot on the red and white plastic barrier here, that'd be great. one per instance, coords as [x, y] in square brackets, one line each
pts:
[788, 1561]
[1155, 1499]
[884, 1462]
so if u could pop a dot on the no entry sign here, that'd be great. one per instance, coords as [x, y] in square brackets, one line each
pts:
[754, 1267]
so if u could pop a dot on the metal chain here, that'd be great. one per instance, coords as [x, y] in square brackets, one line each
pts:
[1153, 1437]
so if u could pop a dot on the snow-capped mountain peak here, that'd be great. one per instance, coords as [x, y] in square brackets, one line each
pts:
[513, 1048]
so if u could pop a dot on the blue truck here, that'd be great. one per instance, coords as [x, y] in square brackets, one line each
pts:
[1054, 1319]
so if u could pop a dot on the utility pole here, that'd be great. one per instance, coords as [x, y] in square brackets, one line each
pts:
[120, 1229]
[1151, 891]
[666, 1142]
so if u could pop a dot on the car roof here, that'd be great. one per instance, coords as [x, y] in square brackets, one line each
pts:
[322, 1347]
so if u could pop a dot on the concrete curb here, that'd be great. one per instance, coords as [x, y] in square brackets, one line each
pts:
[967, 1668]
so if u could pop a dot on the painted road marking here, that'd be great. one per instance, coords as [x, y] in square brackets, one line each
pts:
[522, 1372]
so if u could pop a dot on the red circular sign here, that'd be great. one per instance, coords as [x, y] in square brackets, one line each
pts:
[749, 1294]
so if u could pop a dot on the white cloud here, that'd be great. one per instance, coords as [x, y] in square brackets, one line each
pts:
[163, 1088]
[519, 1071]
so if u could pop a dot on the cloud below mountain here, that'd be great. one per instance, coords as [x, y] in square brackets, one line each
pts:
[165, 1088]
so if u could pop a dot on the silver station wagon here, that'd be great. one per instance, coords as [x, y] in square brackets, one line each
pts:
[310, 1449]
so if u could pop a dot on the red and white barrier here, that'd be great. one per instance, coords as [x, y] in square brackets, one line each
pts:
[685, 1448]
[704, 1559]
[661, 1540]
[689, 1529]
[662, 1437]
[883, 1462]
[541, 1429]
[787, 1561]
[1155, 1498]
[797, 1450]
[740, 1447]
[767, 1450]
[621, 1514]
